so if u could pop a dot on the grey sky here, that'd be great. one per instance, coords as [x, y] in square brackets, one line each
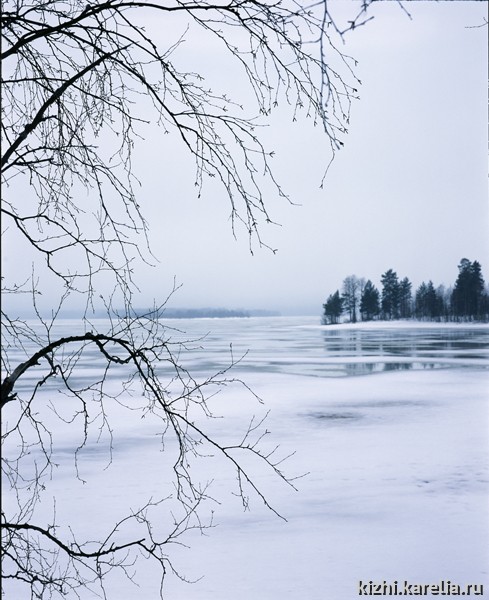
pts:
[408, 191]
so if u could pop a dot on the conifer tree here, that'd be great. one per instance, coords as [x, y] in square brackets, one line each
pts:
[390, 295]
[468, 293]
[369, 302]
[405, 299]
[333, 309]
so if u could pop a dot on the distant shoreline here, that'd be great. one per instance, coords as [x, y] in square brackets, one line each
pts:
[163, 313]
[209, 313]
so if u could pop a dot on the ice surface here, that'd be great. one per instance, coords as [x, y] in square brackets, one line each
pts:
[389, 423]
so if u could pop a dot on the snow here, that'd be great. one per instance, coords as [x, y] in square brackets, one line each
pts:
[397, 490]
[396, 482]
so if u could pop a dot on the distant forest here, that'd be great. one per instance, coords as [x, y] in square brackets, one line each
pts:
[360, 300]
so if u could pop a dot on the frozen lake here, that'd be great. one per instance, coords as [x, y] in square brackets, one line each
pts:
[390, 425]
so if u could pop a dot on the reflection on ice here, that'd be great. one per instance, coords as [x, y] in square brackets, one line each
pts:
[374, 349]
[300, 346]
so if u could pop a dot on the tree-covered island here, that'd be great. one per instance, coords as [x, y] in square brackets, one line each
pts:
[361, 300]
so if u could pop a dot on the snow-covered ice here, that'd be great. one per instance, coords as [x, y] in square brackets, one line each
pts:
[389, 424]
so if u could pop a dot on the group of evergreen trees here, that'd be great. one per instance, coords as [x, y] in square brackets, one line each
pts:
[467, 300]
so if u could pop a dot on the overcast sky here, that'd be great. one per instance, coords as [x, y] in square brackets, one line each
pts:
[408, 191]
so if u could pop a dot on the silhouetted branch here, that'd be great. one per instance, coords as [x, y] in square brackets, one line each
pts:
[79, 83]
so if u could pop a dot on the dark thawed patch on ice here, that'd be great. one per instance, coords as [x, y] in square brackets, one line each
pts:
[335, 416]
[369, 411]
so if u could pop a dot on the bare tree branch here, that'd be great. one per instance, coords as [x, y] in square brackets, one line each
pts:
[79, 82]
